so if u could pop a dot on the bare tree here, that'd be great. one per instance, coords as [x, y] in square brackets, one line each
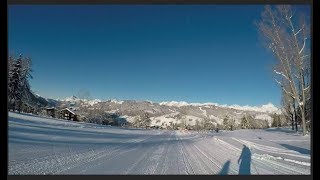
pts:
[288, 38]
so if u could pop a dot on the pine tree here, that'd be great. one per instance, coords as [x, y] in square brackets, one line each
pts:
[232, 124]
[245, 123]
[11, 64]
[14, 83]
[226, 122]
[18, 84]
[25, 75]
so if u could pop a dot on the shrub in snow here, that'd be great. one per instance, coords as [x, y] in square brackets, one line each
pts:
[143, 120]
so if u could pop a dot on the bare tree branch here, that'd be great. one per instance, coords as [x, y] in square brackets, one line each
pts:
[304, 44]
[280, 73]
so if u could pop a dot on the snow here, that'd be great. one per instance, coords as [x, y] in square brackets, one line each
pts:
[74, 99]
[40, 145]
[264, 108]
[183, 103]
[203, 111]
[128, 118]
[193, 120]
[282, 74]
[112, 111]
[95, 101]
[116, 101]
[270, 108]
[263, 117]
[164, 119]
[69, 110]
[217, 119]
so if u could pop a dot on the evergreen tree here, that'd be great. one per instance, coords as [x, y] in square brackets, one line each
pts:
[14, 84]
[18, 84]
[226, 122]
[245, 122]
[25, 75]
[232, 124]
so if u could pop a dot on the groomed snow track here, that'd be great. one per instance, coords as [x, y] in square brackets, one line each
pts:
[50, 146]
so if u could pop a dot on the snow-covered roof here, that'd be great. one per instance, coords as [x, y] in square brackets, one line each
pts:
[69, 111]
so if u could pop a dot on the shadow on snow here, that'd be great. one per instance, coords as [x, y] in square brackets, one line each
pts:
[225, 168]
[245, 161]
[295, 148]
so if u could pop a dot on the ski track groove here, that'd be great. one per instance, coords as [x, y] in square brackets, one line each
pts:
[216, 160]
[163, 156]
[85, 157]
[165, 145]
[113, 154]
[185, 159]
[199, 162]
[139, 160]
[165, 168]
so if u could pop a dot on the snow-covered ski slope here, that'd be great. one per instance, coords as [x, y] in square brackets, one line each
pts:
[50, 146]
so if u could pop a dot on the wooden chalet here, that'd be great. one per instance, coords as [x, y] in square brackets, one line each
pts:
[68, 114]
[51, 112]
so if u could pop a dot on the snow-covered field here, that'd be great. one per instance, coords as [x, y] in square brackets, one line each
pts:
[50, 146]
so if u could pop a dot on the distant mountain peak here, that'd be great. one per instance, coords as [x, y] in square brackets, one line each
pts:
[71, 99]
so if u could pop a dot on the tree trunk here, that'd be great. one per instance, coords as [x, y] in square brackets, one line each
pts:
[292, 121]
[296, 119]
[303, 105]
[9, 104]
[303, 120]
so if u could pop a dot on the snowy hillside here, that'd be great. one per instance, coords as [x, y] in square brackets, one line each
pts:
[161, 113]
[51, 146]
[270, 108]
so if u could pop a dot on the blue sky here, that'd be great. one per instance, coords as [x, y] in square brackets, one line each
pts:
[194, 53]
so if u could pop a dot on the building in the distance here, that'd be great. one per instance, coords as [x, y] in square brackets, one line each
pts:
[52, 112]
[68, 114]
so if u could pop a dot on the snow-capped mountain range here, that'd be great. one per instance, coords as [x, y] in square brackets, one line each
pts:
[164, 113]
[264, 108]
[267, 108]
[75, 99]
